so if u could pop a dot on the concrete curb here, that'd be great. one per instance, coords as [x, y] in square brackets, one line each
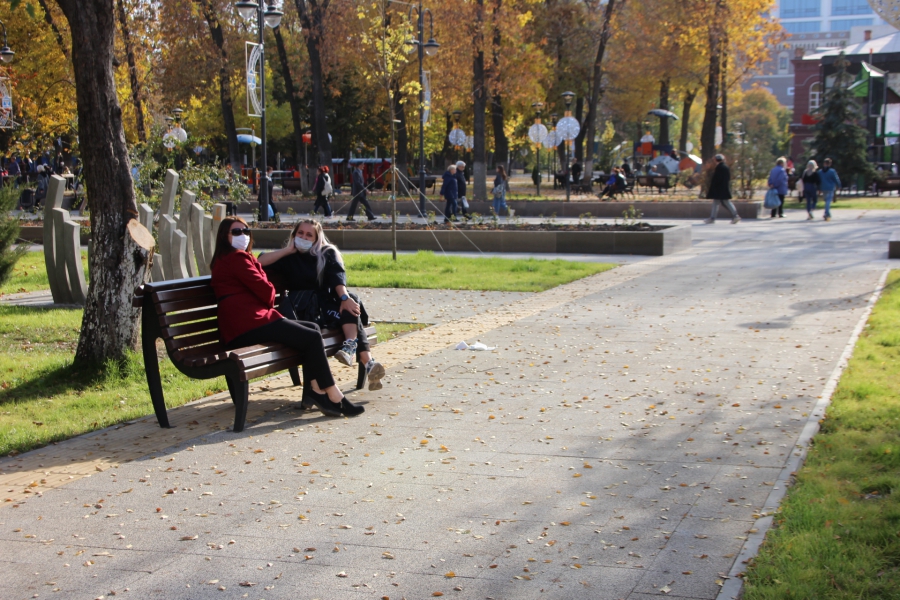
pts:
[734, 585]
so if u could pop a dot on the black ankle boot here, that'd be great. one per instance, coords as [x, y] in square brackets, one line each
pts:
[348, 409]
[329, 408]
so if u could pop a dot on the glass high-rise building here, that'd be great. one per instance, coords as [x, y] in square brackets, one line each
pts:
[814, 16]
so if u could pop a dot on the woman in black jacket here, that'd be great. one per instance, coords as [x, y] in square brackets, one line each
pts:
[323, 189]
[312, 269]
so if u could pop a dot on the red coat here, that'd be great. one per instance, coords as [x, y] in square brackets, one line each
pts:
[246, 298]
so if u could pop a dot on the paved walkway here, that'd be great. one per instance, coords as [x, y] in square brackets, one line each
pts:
[626, 439]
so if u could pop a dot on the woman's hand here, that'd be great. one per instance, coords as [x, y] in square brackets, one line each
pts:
[350, 306]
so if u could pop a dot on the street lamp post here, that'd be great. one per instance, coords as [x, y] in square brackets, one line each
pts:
[567, 97]
[6, 54]
[270, 17]
[430, 48]
[552, 163]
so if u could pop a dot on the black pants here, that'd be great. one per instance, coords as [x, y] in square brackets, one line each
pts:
[780, 210]
[360, 199]
[344, 317]
[299, 335]
[323, 202]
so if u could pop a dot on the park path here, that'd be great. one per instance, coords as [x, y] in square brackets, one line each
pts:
[625, 439]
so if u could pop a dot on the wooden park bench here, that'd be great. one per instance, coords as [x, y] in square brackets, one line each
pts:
[291, 184]
[182, 313]
[887, 184]
[660, 182]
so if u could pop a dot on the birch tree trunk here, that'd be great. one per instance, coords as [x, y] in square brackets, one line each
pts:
[132, 71]
[225, 98]
[479, 94]
[121, 245]
[708, 132]
[312, 17]
[294, 101]
[597, 88]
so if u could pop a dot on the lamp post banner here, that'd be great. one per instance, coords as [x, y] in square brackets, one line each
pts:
[426, 80]
[6, 107]
[253, 56]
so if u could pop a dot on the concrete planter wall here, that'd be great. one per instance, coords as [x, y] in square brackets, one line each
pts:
[650, 243]
[599, 210]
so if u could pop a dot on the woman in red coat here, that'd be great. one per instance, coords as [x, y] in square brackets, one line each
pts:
[247, 316]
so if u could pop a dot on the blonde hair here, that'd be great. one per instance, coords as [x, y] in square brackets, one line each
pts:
[811, 166]
[319, 247]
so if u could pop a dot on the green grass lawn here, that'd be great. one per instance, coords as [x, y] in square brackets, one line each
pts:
[838, 533]
[857, 203]
[43, 398]
[427, 270]
[30, 274]
[423, 270]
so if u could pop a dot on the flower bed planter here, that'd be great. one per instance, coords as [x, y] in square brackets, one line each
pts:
[656, 241]
[663, 209]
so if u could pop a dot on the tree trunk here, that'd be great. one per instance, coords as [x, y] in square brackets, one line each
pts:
[708, 132]
[48, 18]
[686, 117]
[312, 17]
[218, 38]
[596, 88]
[664, 105]
[479, 93]
[296, 116]
[723, 87]
[501, 142]
[582, 133]
[402, 140]
[132, 72]
[121, 251]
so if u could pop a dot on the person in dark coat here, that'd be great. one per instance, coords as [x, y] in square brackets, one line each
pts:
[576, 172]
[358, 191]
[461, 202]
[322, 193]
[450, 193]
[720, 191]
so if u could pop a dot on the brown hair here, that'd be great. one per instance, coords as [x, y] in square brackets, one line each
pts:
[502, 171]
[223, 248]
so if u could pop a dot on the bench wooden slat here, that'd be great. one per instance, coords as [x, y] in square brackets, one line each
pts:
[268, 368]
[187, 316]
[189, 341]
[193, 327]
[182, 294]
[187, 304]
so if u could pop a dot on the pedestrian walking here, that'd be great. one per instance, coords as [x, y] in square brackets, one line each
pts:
[829, 183]
[450, 193]
[501, 186]
[462, 203]
[720, 191]
[358, 190]
[810, 187]
[778, 181]
[323, 189]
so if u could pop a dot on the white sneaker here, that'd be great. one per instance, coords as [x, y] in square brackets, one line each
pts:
[735, 220]
[347, 352]
[709, 221]
[374, 373]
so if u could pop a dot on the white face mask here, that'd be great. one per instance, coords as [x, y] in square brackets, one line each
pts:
[302, 245]
[240, 242]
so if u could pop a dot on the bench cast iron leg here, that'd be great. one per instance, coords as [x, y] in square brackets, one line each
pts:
[240, 395]
[361, 378]
[295, 375]
[151, 367]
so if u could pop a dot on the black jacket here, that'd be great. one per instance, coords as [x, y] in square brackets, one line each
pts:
[460, 183]
[720, 185]
[358, 185]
